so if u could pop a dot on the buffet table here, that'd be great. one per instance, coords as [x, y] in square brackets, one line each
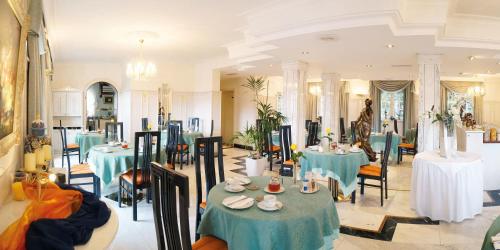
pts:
[447, 189]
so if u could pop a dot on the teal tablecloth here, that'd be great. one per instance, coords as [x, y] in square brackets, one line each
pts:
[88, 140]
[306, 221]
[343, 168]
[494, 230]
[378, 144]
[109, 166]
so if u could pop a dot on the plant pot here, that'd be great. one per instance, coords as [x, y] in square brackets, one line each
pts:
[255, 167]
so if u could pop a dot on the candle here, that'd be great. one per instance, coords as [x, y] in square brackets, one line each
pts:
[40, 157]
[29, 162]
[47, 152]
[18, 192]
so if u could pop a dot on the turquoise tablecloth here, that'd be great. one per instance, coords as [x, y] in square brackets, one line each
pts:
[378, 144]
[307, 221]
[343, 168]
[494, 230]
[109, 166]
[187, 137]
[88, 140]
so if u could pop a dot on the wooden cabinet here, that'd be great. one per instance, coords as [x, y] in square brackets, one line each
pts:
[67, 103]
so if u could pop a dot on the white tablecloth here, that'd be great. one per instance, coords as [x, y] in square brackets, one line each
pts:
[447, 189]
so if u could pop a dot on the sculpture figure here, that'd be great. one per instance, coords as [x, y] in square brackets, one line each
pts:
[364, 129]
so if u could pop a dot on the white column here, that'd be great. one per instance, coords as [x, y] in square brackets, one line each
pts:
[429, 95]
[331, 102]
[294, 99]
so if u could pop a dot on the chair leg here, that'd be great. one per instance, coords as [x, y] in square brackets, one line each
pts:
[62, 162]
[120, 192]
[134, 203]
[381, 193]
[67, 157]
[182, 158]
[362, 190]
[385, 187]
[198, 219]
[399, 155]
[79, 157]
[98, 186]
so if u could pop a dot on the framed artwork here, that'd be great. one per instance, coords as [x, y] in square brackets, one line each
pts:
[10, 35]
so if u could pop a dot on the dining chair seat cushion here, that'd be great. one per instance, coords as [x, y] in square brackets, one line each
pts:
[276, 148]
[209, 243]
[81, 169]
[168, 165]
[288, 162]
[370, 170]
[73, 146]
[129, 175]
[183, 146]
[203, 204]
[407, 145]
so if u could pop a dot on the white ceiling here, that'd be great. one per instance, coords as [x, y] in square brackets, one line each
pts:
[488, 8]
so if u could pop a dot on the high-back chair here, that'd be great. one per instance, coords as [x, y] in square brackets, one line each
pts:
[396, 131]
[68, 149]
[342, 136]
[312, 134]
[353, 132]
[138, 178]
[144, 122]
[171, 146]
[377, 173]
[194, 124]
[182, 147]
[212, 145]
[408, 148]
[286, 153]
[307, 124]
[171, 192]
[111, 131]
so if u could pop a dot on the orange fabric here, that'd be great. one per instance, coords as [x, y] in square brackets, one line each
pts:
[81, 169]
[209, 243]
[129, 175]
[289, 162]
[73, 146]
[276, 148]
[406, 145]
[203, 204]
[54, 203]
[370, 170]
[184, 146]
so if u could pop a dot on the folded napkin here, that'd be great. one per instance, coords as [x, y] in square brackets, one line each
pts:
[230, 201]
[241, 204]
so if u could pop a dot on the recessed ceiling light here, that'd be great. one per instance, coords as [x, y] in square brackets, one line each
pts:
[368, 65]
[270, 65]
[498, 63]
[305, 52]
[488, 72]
[472, 58]
[327, 38]
[390, 46]
[461, 73]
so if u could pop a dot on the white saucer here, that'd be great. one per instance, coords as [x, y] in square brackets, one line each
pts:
[242, 204]
[338, 153]
[354, 151]
[310, 192]
[282, 189]
[235, 189]
[242, 180]
[277, 206]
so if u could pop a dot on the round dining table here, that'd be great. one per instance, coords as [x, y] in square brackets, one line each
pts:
[377, 141]
[86, 140]
[306, 221]
[343, 168]
[447, 189]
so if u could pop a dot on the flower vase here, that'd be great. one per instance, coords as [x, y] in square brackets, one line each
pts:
[447, 142]
[295, 174]
[325, 144]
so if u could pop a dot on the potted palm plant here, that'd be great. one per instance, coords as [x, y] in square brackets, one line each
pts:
[256, 136]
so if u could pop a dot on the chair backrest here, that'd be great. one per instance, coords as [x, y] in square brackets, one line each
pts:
[210, 145]
[172, 142]
[353, 131]
[312, 134]
[166, 184]
[285, 142]
[194, 124]
[145, 159]
[63, 134]
[342, 129]
[416, 139]
[387, 151]
[145, 123]
[91, 123]
[307, 123]
[113, 126]
[179, 124]
[212, 128]
[396, 126]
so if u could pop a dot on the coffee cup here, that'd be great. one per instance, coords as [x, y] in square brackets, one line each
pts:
[269, 200]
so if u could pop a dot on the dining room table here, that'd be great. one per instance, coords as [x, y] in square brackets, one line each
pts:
[305, 221]
[86, 140]
[377, 141]
[108, 162]
[343, 168]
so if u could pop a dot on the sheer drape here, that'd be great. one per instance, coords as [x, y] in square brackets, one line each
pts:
[344, 102]
[462, 87]
[393, 86]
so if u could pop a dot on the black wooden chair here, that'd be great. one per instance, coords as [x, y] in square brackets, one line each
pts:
[377, 173]
[211, 146]
[353, 132]
[144, 122]
[342, 136]
[111, 131]
[171, 146]
[395, 122]
[408, 148]
[272, 150]
[171, 192]
[307, 124]
[312, 134]
[194, 124]
[68, 149]
[182, 147]
[286, 153]
[138, 178]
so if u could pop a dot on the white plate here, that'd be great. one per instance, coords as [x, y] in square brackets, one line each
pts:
[282, 189]
[240, 180]
[234, 189]
[242, 204]
[277, 206]
[310, 192]
[354, 151]
[338, 153]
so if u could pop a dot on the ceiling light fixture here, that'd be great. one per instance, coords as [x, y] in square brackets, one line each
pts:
[368, 65]
[270, 65]
[390, 46]
[141, 69]
[476, 91]
[305, 52]
[327, 38]
[471, 58]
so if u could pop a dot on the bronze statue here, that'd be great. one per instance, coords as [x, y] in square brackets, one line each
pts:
[364, 129]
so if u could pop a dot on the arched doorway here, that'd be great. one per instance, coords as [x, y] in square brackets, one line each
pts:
[101, 105]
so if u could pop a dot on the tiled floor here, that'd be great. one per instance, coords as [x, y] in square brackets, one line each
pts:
[366, 214]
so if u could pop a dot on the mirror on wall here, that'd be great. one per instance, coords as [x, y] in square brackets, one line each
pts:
[102, 105]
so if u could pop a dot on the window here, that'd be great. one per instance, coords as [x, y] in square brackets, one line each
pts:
[392, 105]
[453, 97]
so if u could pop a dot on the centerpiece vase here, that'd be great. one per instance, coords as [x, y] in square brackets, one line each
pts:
[294, 173]
[447, 141]
[325, 144]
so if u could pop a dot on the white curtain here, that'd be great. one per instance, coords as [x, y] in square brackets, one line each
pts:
[462, 87]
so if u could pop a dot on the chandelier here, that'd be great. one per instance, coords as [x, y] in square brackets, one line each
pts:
[141, 69]
[476, 91]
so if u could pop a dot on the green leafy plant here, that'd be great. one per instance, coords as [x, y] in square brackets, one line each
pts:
[250, 136]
